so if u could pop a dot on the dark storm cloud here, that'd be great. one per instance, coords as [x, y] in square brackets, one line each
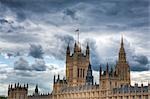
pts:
[98, 15]
[111, 15]
[141, 59]
[139, 63]
[23, 65]
[36, 51]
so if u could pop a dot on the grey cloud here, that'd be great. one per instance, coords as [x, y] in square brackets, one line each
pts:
[18, 38]
[39, 65]
[24, 73]
[71, 13]
[141, 59]
[139, 63]
[36, 51]
[97, 14]
[23, 65]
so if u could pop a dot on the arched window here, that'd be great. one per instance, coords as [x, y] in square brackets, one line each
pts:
[78, 72]
[83, 73]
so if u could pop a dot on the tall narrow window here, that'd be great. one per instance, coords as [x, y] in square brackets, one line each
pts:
[83, 73]
[78, 72]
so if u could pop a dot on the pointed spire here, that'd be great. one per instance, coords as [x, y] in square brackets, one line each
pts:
[68, 49]
[87, 49]
[100, 70]
[107, 68]
[77, 47]
[27, 85]
[54, 79]
[122, 54]
[15, 85]
[89, 67]
[122, 41]
[36, 89]
[58, 78]
[89, 76]
[9, 86]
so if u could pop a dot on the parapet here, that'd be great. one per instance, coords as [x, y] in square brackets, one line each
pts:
[131, 89]
[17, 87]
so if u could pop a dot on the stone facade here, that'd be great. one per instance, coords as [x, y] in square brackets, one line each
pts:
[17, 91]
[78, 84]
[76, 65]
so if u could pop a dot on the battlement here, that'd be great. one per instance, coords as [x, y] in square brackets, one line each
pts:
[132, 89]
[17, 87]
[59, 81]
[109, 72]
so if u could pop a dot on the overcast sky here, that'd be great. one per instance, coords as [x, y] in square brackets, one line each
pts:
[34, 35]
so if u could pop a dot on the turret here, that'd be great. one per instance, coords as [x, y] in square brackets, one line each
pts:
[68, 50]
[15, 85]
[58, 78]
[54, 79]
[36, 90]
[77, 47]
[100, 72]
[89, 76]
[9, 87]
[107, 70]
[87, 50]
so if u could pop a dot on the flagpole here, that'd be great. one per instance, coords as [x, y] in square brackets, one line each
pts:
[78, 36]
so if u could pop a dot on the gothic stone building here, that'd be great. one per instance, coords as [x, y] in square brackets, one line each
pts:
[113, 83]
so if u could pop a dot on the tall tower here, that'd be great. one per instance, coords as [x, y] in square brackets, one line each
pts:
[77, 65]
[122, 67]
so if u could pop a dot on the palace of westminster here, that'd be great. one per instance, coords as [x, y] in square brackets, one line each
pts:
[78, 84]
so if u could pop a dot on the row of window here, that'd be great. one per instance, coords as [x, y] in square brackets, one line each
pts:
[80, 73]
